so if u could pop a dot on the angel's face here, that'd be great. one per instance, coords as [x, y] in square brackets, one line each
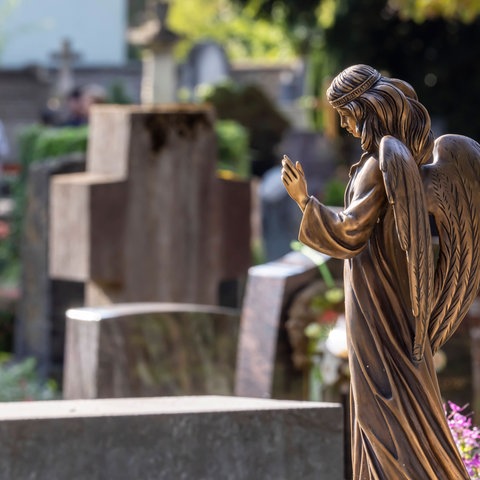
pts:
[348, 122]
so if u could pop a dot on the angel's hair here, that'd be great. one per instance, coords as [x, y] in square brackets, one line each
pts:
[387, 106]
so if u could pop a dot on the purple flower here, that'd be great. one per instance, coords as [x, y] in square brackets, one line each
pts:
[466, 436]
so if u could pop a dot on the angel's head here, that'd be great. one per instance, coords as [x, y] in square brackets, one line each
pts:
[372, 106]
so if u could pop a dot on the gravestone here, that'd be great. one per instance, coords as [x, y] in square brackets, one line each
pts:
[235, 208]
[280, 216]
[40, 322]
[65, 58]
[317, 154]
[141, 350]
[206, 65]
[145, 221]
[194, 438]
[23, 94]
[264, 366]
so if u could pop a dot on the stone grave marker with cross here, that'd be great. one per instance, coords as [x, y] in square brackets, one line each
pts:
[65, 58]
[146, 222]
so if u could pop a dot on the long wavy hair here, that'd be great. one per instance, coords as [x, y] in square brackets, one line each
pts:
[389, 107]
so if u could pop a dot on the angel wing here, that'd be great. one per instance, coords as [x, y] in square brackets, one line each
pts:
[404, 187]
[452, 186]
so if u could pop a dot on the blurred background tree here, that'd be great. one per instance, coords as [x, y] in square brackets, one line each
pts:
[432, 44]
[243, 33]
[420, 10]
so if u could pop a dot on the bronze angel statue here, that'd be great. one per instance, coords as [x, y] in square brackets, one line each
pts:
[402, 303]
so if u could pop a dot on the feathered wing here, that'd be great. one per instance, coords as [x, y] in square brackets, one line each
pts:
[452, 186]
[404, 187]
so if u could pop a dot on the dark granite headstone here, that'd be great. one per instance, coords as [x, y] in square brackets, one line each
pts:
[264, 365]
[281, 216]
[150, 349]
[40, 323]
[206, 65]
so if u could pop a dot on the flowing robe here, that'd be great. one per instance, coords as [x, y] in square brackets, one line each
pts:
[399, 429]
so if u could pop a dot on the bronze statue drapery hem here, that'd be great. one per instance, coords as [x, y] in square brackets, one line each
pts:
[399, 429]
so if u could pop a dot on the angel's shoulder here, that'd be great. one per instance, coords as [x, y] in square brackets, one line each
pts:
[367, 167]
[452, 146]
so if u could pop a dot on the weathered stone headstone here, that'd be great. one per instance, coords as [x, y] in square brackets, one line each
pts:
[214, 438]
[316, 153]
[40, 322]
[23, 94]
[144, 220]
[264, 365]
[206, 65]
[235, 229]
[141, 350]
[280, 216]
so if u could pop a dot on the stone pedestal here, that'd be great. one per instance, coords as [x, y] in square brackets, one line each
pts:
[141, 350]
[159, 79]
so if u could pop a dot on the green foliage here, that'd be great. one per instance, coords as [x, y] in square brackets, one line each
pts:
[252, 109]
[435, 56]
[19, 381]
[421, 10]
[233, 148]
[55, 142]
[118, 95]
[243, 35]
[299, 18]
[333, 193]
[36, 143]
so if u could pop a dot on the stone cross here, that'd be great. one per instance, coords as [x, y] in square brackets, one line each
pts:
[65, 58]
[146, 222]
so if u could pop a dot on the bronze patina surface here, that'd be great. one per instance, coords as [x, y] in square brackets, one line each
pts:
[401, 305]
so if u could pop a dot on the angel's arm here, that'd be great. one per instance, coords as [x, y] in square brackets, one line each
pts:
[345, 234]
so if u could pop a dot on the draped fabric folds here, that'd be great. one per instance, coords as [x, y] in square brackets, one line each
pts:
[399, 429]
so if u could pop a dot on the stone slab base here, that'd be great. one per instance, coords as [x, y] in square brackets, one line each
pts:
[197, 438]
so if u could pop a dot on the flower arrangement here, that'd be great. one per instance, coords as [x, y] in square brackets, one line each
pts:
[316, 329]
[19, 381]
[466, 436]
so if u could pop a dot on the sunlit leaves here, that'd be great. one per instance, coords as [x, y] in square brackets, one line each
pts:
[421, 10]
[236, 28]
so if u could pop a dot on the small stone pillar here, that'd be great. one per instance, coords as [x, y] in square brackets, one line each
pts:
[159, 76]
